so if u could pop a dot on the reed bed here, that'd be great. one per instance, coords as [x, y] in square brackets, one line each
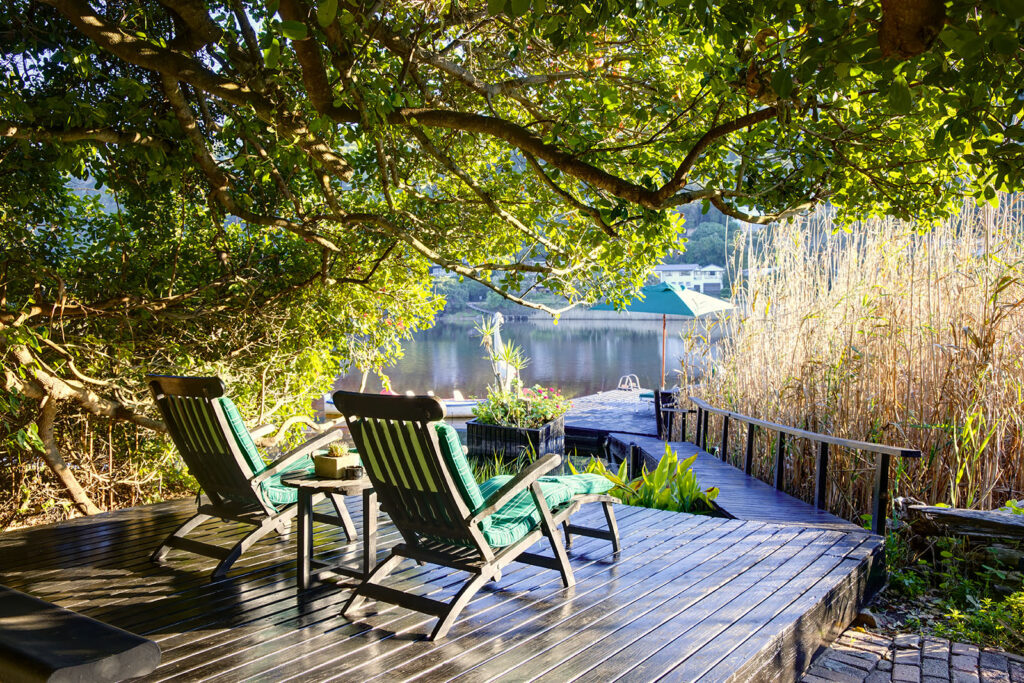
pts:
[891, 334]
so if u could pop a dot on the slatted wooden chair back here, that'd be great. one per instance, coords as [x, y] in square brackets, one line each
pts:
[399, 446]
[203, 436]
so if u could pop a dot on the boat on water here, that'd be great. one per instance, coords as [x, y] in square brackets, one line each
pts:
[455, 407]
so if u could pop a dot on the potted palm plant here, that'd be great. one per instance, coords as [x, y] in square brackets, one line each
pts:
[514, 421]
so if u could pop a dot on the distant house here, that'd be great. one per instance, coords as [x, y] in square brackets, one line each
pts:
[704, 279]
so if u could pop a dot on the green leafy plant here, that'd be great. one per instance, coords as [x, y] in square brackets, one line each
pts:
[485, 468]
[508, 403]
[671, 486]
[1013, 506]
[527, 408]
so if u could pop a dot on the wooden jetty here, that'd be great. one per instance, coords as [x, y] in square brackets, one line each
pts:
[592, 418]
[751, 595]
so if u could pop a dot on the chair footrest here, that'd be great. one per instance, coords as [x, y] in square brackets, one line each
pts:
[375, 591]
[197, 547]
[587, 531]
[539, 560]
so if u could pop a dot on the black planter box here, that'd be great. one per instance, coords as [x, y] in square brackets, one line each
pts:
[486, 441]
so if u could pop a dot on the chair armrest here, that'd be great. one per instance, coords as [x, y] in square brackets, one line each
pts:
[516, 485]
[316, 443]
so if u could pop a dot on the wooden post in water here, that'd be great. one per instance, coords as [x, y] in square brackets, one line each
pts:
[881, 507]
[821, 477]
[780, 460]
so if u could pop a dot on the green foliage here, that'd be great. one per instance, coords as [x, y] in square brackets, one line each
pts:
[527, 408]
[671, 486]
[1015, 507]
[496, 465]
[987, 621]
[956, 590]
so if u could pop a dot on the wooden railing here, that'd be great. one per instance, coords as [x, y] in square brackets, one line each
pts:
[883, 453]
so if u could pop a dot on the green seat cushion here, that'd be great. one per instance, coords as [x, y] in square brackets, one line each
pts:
[520, 516]
[647, 394]
[455, 457]
[278, 494]
[274, 492]
[242, 437]
[582, 484]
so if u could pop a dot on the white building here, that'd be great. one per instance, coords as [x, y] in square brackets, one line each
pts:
[704, 279]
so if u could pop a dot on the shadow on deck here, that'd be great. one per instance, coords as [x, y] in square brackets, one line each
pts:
[688, 598]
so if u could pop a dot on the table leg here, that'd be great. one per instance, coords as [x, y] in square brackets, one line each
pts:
[343, 516]
[369, 531]
[305, 544]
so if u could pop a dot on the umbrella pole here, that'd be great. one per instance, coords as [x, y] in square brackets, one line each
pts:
[664, 336]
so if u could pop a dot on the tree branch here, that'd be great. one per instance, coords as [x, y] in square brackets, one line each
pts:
[20, 131]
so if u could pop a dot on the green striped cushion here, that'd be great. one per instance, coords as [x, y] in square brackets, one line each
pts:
[273, 491]
[242, 437]
[277, 493]
[520, 516]
[582, 484]
[458, 465]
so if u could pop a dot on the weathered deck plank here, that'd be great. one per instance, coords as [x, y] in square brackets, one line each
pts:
[686, 594]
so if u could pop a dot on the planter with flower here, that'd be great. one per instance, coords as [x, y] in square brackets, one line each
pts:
[514, 422]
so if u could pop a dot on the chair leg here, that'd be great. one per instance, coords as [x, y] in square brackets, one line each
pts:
[270, 524]
[568, 536]
[381, 571]
[550, 529]
[187, 527]
[613, 526]
[283, 528]
[460, 601]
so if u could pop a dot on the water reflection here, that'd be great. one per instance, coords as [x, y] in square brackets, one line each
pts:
[577, 356]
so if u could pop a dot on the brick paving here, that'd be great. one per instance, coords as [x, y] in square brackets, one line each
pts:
[861, 657]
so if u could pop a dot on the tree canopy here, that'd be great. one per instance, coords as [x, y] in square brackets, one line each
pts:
[284, 171]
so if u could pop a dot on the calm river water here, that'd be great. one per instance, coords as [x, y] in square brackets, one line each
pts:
[577, 356]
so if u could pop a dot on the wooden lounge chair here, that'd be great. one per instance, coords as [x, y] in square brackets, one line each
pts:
[424, 482]
[220, 453]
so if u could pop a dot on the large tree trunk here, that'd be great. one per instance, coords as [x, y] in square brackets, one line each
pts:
[51, 454]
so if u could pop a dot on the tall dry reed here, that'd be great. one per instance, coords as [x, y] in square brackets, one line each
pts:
[890, 335]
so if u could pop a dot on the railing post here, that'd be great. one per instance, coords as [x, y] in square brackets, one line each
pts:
[723, 448]
[704, 432]
[634, 461]
[748, 455]
[881, 506]
[821, 477]
[696, 427]
[686, 412]
[780, 459]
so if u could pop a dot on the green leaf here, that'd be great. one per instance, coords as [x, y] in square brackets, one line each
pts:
[495, 6]
[518, 8]
[782, 83]
[295, 30]
[272, 55]
[326, 11]
[899, 96]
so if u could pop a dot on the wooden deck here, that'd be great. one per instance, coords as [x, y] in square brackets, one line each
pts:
[740, 496]
[688, 598]
[592, 417]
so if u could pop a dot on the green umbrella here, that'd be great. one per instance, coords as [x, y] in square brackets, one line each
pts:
[669, 299]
